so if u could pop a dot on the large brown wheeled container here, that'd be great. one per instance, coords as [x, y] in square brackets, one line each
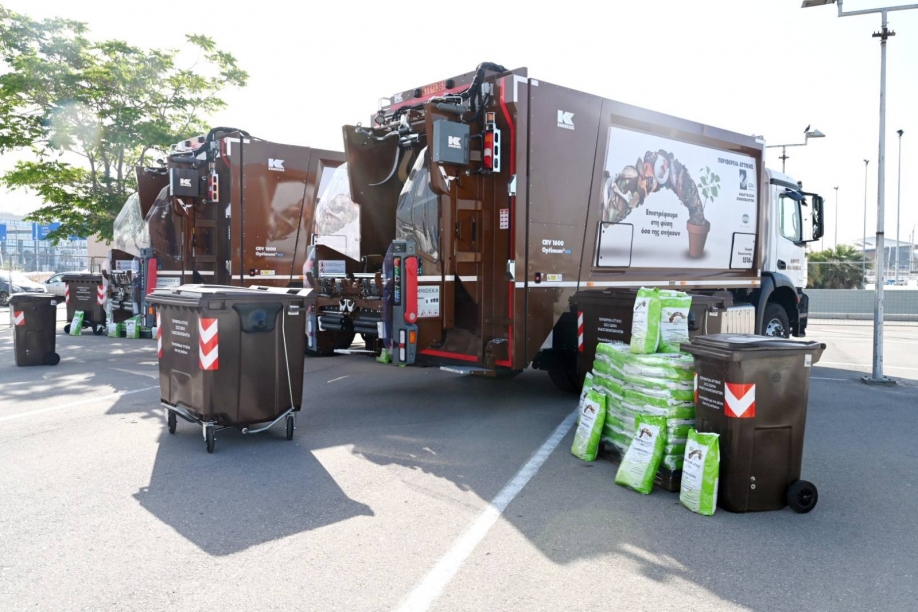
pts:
[34, 317]
[230, 357]
[86, 292]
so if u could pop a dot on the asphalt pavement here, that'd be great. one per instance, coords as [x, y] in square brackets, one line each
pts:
[417, 485]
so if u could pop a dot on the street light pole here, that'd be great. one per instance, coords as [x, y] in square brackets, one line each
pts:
[898, 204]
[864, 243]
[883, 35]
[836, 218]
[807, 134]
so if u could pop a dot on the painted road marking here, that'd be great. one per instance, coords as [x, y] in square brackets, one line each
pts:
[83, 402]
[886, 366]
[339, 378]
[426, 593]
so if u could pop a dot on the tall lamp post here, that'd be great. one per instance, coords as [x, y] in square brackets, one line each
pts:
[898, 204]
[836, 218]
[883, 35]
[864, 243]
[807, 134]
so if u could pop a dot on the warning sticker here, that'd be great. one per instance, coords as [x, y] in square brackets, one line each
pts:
[739, 400]
[428, 301]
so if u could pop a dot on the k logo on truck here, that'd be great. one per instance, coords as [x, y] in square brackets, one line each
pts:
[565, 120]
[276, 164]
[184, 182]
[454, 142]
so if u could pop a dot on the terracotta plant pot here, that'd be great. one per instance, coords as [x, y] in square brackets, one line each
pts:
[697, 236]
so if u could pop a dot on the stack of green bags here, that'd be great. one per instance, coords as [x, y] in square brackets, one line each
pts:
[658, 384]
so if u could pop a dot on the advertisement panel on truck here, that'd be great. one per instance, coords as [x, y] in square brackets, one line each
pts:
[672, 204]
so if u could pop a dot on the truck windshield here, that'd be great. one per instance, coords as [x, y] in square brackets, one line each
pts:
[164, 227]
[418, 214]
[337, 222]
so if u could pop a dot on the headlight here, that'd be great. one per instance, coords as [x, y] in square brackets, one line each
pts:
[16, 289]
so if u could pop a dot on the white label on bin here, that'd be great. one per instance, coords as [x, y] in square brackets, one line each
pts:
[807, 361]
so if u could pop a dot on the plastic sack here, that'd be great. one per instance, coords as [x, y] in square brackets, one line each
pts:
[605, 366]
[617, 352]
[674, 313]
[667, 372]
[76, 326]
[645, 324]
[642, 459]
[589, 431]
[132, 328]
[587, 385]
[677, 389]
[608, 383]
[678, 410]
[114, 330]
[701, 473]
[672, 462]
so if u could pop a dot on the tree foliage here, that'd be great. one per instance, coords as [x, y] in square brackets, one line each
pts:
[838, 268]
[87, 112]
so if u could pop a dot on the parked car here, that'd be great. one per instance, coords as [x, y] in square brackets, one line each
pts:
[55, 284]
[16, 282]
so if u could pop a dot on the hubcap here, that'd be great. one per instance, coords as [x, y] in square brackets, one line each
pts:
[775, 328]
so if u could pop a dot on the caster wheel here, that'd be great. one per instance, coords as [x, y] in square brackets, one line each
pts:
[291, 425]
[67, 328]
[98, 330]
[802, 496]
[210, 438]
[52, 359]
[171, 419]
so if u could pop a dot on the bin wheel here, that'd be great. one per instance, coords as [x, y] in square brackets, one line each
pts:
[291, 425]
[67, 328]
[171, 420]
[802, 496]
[209, 437]
[98, 330]
[52, 359]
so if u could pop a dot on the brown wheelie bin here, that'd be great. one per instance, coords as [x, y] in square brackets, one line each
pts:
[85, 292]
[230, 357]
[752, 390]
[34, 317]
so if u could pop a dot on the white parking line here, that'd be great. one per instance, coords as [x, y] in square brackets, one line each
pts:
[339, 378]
[431, 587]
[88, 400]
[865, 365]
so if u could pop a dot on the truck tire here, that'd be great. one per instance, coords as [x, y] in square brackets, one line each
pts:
[564, 379]
[775, 322]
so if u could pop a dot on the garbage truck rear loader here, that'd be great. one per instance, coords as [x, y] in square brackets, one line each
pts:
[225, 208]
[495, 200]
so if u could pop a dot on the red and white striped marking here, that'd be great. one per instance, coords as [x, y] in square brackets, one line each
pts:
[18, 317]
[67, 294]
[159, 336]
[739, 400]
[101, 294]
[208, 344]
[580, 331]
[696, 387]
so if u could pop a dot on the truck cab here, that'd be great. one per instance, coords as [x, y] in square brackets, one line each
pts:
[795, 218]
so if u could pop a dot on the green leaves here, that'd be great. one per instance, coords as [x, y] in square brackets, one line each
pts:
[103, 107]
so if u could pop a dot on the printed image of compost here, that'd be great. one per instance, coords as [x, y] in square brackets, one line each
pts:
[629, 188]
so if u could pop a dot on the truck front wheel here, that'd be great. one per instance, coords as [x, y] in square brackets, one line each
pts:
[775, 322]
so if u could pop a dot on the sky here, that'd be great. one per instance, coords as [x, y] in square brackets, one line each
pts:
[764, 67]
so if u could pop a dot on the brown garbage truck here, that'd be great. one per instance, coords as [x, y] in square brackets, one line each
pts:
[506, 222]
[224, 208]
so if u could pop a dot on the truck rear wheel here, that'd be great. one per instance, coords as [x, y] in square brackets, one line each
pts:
[775, 322]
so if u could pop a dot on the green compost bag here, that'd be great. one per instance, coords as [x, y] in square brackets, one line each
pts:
[672, 462]
[674, 313]
[132, 328]
[114, 330]
[607, 383]
[701, 473]
[76, 326]
[587, 385]
[642, 459]
[645, 323]
[660, 399]
[604, 366]
[617, 352]
[673, 371]
[677, 389]
[589, 431]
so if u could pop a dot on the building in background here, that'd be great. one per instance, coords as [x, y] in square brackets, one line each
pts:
[23, 246]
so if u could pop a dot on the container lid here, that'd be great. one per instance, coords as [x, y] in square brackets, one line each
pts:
[751, 342]
[190, 295]
[94, 278]
[20, 298]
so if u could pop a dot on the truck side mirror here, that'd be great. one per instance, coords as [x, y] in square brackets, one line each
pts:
[818, 218]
